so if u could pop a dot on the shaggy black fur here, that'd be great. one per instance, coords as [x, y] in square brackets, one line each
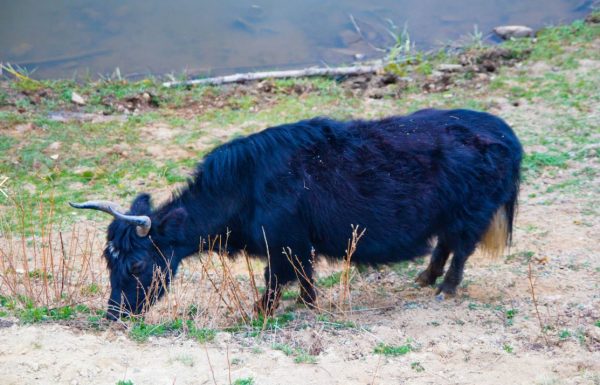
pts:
[407, 180]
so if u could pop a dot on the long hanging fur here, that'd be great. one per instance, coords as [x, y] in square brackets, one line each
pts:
[499, 233]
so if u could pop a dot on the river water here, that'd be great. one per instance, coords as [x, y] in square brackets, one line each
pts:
[67, 38]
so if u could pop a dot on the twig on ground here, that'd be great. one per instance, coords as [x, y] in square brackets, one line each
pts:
[535, 302]
[307, 72]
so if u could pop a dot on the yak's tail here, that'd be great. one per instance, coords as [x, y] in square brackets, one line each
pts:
[499, 233]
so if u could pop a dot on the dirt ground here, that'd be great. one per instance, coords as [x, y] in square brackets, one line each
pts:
[466, 340]
[531, 316]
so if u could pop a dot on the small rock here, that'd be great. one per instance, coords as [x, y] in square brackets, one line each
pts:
[375, 94]
[54, 157]
[450, 67]
[387, 78]
[360, 82]
[77, 99]
[54, 146]
[593, 18]
[25, 127]
[121, 149]
[509, 31]
[488, 66]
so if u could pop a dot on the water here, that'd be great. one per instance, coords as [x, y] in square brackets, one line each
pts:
[63, 39]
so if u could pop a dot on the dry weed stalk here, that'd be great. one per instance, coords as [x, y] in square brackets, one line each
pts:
[535, 302]
[38, 268]
[345, 300]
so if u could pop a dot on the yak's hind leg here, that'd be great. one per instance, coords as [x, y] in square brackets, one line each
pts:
[454, 275]
[436, 264]
[463, 244]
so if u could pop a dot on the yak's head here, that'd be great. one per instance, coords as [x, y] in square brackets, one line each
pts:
[138, 254]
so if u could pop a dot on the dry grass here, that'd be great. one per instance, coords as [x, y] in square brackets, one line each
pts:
[49, 268]
[50, 271]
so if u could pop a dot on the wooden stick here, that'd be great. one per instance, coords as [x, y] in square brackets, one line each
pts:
[313, 71]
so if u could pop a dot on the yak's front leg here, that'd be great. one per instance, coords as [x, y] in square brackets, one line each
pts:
[280, 272]
[436, 265]
[277, 274]
[304, 271]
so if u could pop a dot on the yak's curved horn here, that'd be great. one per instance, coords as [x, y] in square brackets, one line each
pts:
[106, 206]
[142, 222]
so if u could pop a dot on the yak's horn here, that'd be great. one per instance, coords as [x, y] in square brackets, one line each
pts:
[106, 206]
[142, 222]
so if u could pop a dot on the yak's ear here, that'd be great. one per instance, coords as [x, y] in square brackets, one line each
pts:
[141, 205]
[171, 225]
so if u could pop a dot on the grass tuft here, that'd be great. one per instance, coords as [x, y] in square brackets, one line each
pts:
[393, 350]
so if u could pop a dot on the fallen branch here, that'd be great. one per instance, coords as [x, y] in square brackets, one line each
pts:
[314, 71]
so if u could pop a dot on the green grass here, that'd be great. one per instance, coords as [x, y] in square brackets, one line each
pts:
[141, 331]
[24, 309]
[564, 334]
[329, 323]
[244, 381]
[124, 382]
[331, 280]
[289, 294]
[534, 163]
[334, 278]
[305, 358]
[201, 335]
[300, 355]
[393, 350]
[260, 323]
[510, 315]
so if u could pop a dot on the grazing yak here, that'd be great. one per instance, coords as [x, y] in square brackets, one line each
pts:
[446, 175]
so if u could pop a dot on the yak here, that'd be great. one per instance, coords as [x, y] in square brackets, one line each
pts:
[444, 176]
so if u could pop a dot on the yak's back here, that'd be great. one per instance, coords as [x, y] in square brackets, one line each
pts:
[267, 153]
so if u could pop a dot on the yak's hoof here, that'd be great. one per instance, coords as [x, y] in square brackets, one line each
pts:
[308, 302]
[267, 305]
[261, 309]
[308, 298]
[444, 291]
[425, 278]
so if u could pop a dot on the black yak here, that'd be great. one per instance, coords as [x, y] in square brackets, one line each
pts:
[446, 175]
